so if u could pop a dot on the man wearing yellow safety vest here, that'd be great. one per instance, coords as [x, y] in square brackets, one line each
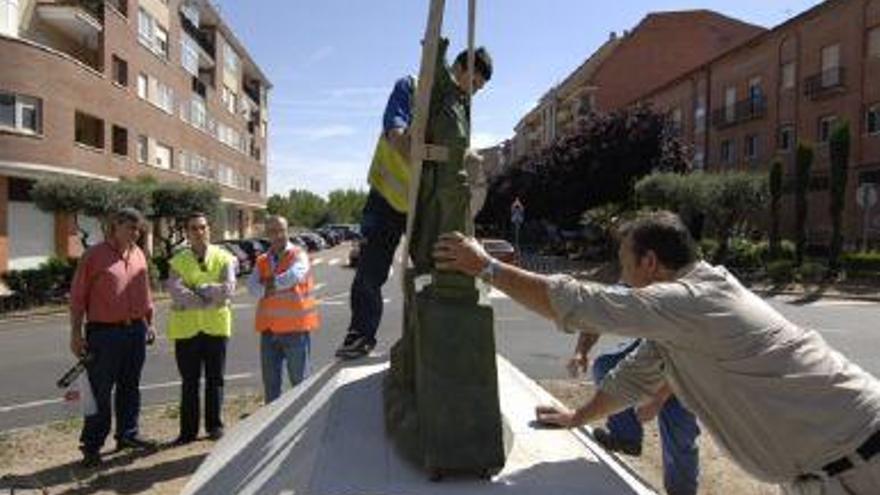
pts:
[201, 282]
[287, 311]
[384, 215]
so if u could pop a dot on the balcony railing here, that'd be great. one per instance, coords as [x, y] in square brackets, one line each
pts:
[826, 82]
[741, 111]
[198, 35]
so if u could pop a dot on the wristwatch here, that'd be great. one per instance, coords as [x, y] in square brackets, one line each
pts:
[488, 273]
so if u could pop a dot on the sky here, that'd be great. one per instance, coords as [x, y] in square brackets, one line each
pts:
[332, 64]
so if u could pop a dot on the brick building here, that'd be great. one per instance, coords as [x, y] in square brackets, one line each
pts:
[750, 106]
[662, 47]
[123, 88]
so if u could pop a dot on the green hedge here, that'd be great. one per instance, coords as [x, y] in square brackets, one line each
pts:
[50, 281]
[862, 262]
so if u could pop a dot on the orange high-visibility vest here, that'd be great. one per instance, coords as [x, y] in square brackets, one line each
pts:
[290, 310]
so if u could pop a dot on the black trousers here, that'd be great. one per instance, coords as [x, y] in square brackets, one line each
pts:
[194, 354]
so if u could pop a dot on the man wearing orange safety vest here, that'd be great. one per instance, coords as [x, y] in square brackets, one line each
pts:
[384, 215]
[287, 311]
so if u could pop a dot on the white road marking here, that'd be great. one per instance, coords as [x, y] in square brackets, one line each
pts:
[317, 261]
[828, 303]
[821, 303]
[324, 302]
[334, 262]
[154, 386]
[386, 300]
[336, 296]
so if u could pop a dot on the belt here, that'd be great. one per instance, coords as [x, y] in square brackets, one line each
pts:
[102, 325]
[867, 450]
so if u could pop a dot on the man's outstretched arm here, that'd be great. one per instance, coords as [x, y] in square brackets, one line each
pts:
[456, 252]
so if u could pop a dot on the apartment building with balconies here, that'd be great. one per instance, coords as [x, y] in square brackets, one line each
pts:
[792, 84]
[661, 48]
[119, 89]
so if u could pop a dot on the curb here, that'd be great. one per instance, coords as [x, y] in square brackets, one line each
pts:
[158, 298]
[873, 297]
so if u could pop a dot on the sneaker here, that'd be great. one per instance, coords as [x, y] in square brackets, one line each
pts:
[358, 349]
[135, 443]
[611, 443]
[90, 459]
[350, 338]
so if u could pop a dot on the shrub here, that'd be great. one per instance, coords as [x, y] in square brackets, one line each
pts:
[781, 271]
[744, 255]
[708, 249]
[786, 251]
[810, 271]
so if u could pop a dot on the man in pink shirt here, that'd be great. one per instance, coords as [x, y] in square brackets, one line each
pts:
[111, 292]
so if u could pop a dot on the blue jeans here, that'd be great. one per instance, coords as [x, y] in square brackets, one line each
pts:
[678, 431]
[277, 349]
[118, 358]
[382, 227]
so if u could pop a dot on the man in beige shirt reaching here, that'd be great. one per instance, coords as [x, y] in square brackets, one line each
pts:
[786, 406]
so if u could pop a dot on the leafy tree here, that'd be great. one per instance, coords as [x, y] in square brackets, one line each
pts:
[804, 162]
[307, 208]
[88, 197]
[173, 202]
[839, 145]
[775, 183]
[598, 164]
[346, 205]
[727, 199]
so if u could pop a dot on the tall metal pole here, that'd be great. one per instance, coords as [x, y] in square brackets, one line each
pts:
[431, 43]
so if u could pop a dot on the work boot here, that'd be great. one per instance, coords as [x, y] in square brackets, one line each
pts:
[136, 443]
[91, 459]
[215, 434]
[611, 443]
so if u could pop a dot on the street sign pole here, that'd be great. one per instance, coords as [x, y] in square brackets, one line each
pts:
[866, 197]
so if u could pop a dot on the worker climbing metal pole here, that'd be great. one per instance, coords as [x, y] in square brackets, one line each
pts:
[447, 349]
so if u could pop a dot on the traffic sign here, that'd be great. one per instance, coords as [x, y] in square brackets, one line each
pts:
[866, 195]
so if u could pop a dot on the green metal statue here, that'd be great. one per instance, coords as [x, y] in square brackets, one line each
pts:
[441, 394]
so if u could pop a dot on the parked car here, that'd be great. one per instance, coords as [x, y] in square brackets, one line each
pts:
[314, 241]
[295, 239]
[501, 250]
[331, 237]
[244, 265]
[252, 247]
[349, 232]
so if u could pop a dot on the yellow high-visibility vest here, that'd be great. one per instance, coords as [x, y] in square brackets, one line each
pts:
[186, 323]
[390, 175]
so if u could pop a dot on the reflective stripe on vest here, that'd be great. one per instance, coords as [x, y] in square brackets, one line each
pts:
[290, 310]
[389, 174]
[187, 323]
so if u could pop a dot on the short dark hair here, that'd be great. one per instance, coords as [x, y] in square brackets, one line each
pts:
[482, 62]
[128, 214]
[193, 215]
[665, 234]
